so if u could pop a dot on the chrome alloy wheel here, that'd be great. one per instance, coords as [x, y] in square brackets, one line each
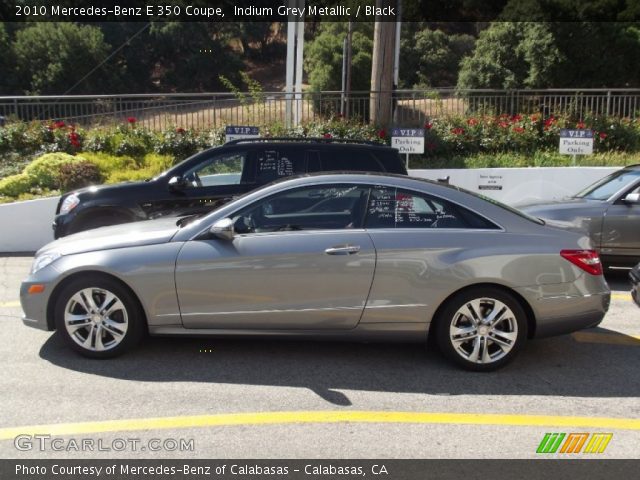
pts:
[96, 319]
[483, 330]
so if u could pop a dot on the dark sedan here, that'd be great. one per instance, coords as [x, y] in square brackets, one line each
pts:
[608, 210]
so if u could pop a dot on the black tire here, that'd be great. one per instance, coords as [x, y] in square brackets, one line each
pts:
[119, 331]
[510, 329]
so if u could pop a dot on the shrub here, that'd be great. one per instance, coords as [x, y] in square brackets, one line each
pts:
[179, 142]
[15, 185]
[108, 163]
[45, 170]
[78, 175]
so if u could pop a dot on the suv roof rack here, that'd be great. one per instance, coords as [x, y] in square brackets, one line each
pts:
[306, 140]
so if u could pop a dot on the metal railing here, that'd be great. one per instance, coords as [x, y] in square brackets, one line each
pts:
[411, 107]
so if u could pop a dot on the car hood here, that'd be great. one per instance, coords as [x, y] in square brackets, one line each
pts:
[146, 232]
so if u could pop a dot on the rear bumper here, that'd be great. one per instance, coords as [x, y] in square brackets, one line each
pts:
[559, 314]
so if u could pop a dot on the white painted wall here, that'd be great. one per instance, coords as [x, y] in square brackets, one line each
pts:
[26, 226]
[522, 185]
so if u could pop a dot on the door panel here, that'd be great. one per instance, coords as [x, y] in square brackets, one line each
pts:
[279, 280]
[621, 231]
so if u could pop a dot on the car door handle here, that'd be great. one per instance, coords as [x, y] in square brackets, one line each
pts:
[343, 250]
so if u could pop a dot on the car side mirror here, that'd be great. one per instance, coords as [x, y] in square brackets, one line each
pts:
[177, 183]
[632, 198]
[223, 229]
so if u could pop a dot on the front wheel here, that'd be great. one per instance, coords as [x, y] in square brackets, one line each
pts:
[98, 317]
[481, 329]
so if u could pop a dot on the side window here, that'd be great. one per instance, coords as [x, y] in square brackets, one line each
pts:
[274, 163]
[223, 169]
[309, 208]
[350, 159]
[391, 207]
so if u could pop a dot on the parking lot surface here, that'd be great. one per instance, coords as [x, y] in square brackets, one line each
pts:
[288, 399]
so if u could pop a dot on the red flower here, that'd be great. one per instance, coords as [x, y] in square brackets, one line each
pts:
[180, 130]
[457, 131]
[503, 125]
[516, 118]
[382, 133]
[132, 120]
[603, 135]
[534, 117]
[518, 129]
[549, 121]
[472, 122]
[74, 139]
[428, 125]
[580, 125]
[58, 124]
[327, 135]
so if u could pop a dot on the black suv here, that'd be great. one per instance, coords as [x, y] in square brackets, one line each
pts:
[213, 177]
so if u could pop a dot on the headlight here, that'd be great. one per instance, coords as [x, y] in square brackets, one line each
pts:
[43, 260]
[69, 203]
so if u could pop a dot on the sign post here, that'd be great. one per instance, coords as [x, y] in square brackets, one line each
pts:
[576, 142]
[239, 132]
[408, 141]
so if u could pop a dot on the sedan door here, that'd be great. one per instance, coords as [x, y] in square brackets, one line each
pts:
[621, 230]
[299, 260]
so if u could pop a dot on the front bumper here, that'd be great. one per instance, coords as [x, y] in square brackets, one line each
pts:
[34, 306]
[60, 226]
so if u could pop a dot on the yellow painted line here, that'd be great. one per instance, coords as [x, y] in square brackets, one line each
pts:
[621, 296]
[282, 418]
[15, 303]
[607, 338]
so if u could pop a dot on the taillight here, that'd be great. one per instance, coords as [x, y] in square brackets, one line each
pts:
[587, 260]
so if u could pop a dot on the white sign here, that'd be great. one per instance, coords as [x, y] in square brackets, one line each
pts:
[490, 181]
[576, 142]
[408, 140]
[240, 132]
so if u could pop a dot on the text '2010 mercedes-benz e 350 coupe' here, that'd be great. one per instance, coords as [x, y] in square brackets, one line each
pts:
[355, 256]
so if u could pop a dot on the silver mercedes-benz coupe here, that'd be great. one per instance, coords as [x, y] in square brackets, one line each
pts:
[349, 256]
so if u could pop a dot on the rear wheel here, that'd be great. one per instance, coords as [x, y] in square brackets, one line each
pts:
[98, 317]
[482, 329]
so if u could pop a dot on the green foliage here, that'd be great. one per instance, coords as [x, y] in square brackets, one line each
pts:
[109, 164]
[179, 143]
[323, 57]
[45, 170]
[51, 57]
[78, 174]
[554, 55]
[431, 58]
[15, 185]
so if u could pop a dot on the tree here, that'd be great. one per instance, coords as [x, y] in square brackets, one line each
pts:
[323, 62]
[431, 58]
[554, 55]
[7, 81]
[53, 57]
[193, 55]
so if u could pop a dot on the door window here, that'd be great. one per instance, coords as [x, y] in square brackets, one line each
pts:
[391, 207]
[309, 208]
[275, 163]
[223, 169]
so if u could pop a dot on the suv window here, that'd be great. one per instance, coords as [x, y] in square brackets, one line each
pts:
[391, 207]
[223, 169]
[308, 208]
[273, 163]
[350, 159]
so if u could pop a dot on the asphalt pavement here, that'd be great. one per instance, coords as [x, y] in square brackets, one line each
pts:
[202, 398]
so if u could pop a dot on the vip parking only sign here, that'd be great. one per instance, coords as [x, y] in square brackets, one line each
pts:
[576, 142]
[239, 132]
[408, 140]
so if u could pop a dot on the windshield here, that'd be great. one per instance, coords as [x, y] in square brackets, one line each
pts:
[605, 188]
